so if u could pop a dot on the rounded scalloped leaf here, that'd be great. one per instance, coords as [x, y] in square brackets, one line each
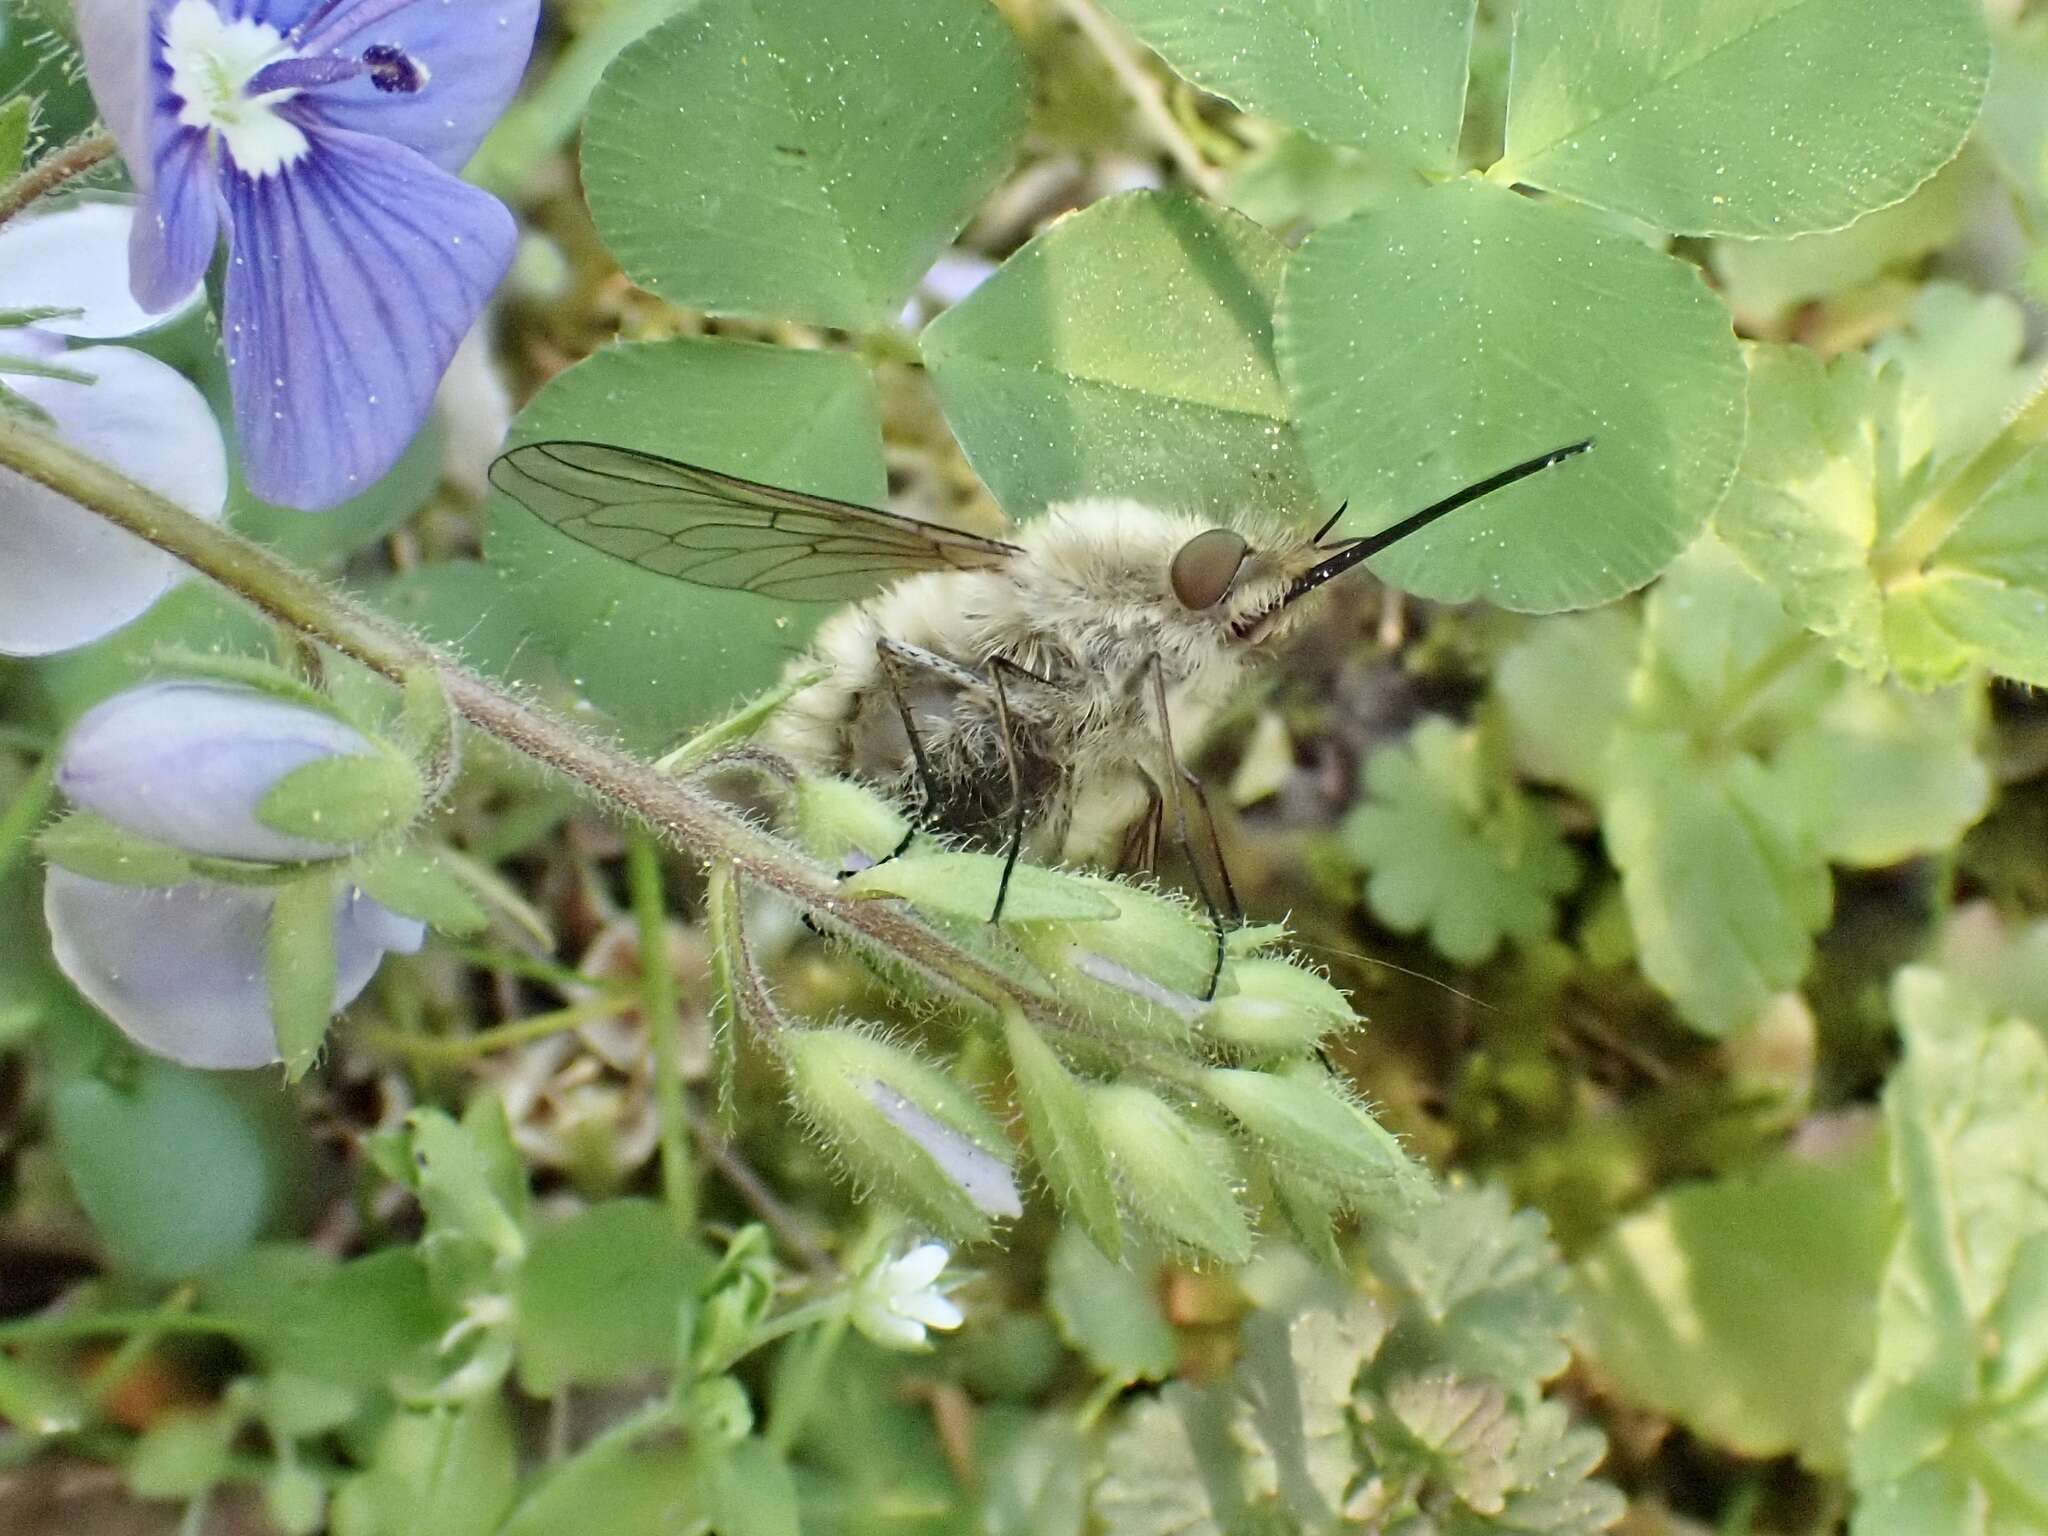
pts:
[663, 655]
[1389, 78]
[801, 159]
[1433, 343]
[1741, 117]
[1127, 351]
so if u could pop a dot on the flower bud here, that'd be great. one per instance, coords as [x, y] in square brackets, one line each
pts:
[181, 969]
[204, 767]
[1145, 967]
[844, 824]
[1177, 1177]
[1277, 1009]
[903, 1126]
[1315, 1135]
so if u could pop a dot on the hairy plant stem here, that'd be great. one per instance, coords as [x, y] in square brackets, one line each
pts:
[676, 809]
[1931, 523]
[53, 170]
[662, 1015]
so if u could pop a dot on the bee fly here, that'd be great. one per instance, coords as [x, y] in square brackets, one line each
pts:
[1024, 696]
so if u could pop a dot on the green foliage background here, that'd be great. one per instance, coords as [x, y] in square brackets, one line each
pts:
[1677, 823]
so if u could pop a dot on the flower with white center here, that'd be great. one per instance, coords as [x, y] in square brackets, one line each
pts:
[66, 577]
[187, 764]
[898, 1299]
[320, 137]
[183, 969]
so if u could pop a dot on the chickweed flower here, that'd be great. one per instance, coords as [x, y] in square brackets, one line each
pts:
[67, 578]
[320, 138]
[897, 1300]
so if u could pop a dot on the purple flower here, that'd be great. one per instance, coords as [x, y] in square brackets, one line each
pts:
[66, 577]
[188, 764]
[320, 137]
[181, 969]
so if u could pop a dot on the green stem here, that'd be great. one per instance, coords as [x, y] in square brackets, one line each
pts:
[106, 1381]
[664, 1021]
[1931, 523]
[25, 812]
[1748, 691]
[502, 1037]
[53, 170]
[674, 808]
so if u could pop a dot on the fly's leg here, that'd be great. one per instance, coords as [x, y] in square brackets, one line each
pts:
[1014, 843]
[1176, 777]
[1006, 730]
[897, 661]
[1140, 848]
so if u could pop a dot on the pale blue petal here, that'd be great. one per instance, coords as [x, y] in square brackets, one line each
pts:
[474, 52]
[181, 970]
[177, 220]
[187, 763]
[66, 577]
[352, 278]
[114, 36]
[76, 259]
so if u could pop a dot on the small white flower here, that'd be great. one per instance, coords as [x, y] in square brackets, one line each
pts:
[896, 1301]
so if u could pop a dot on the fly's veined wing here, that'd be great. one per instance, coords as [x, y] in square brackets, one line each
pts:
[720, 531]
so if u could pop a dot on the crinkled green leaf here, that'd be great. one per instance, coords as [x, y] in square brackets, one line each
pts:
[1694, 1304]
[1108, 1311]
[1451, 844]
[1461, 330]
[1463, 1430]
[1981, 598]
[1741, 117]
[1856, 502]
[1295, 1379]
[801, 159]
[1390, 78]
[1484, 1288]
[1552, 1491]
[1948, 1427]
[1960, 354]
[1127, 351]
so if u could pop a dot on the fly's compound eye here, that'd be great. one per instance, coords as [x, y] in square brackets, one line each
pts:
[1205, 568]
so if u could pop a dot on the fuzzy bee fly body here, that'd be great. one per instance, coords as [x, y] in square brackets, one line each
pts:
[1022, 695]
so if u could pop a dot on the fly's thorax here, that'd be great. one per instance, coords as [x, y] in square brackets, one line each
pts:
[1108, 575]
